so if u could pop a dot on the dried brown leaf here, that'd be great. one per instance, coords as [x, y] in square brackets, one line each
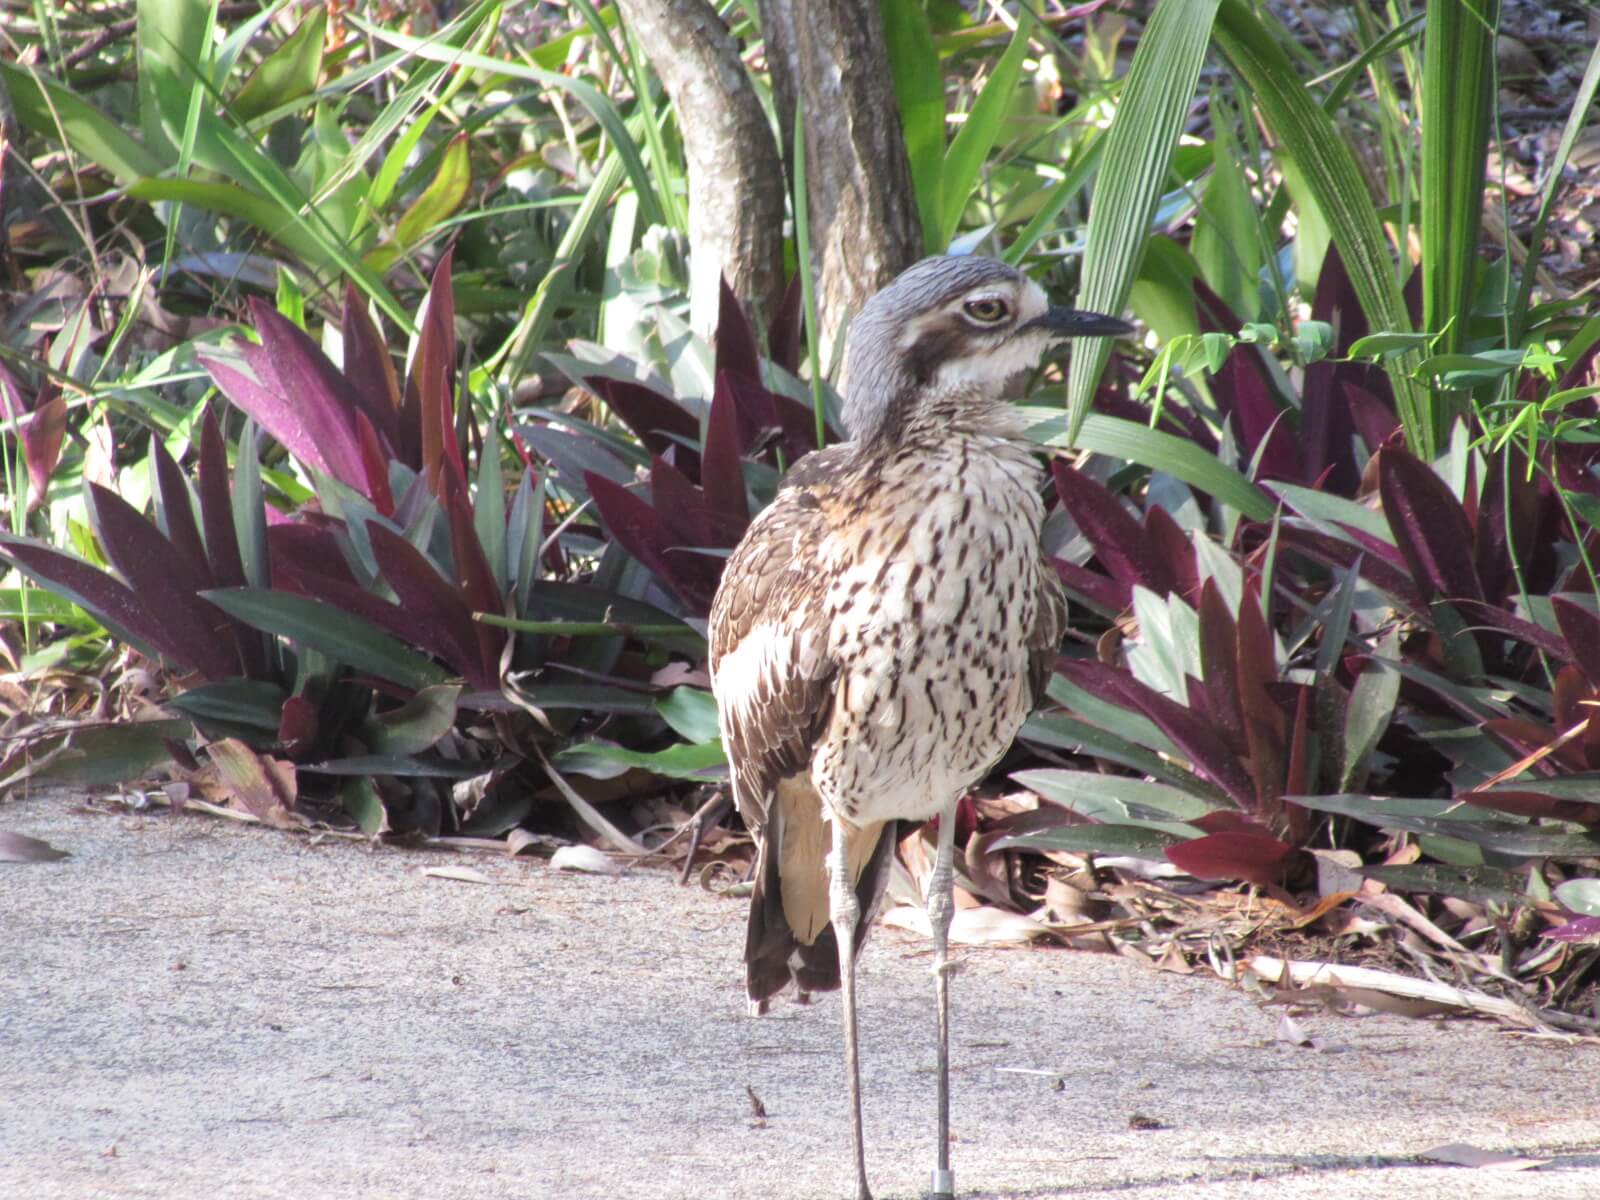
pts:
[1289, 1031]
[986, 926]
[1461, 1154]
[459, 874]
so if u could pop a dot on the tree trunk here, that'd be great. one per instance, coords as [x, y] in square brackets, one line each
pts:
[736, 189]
[829, 57]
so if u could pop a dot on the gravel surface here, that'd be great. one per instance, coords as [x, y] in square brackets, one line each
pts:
[191, 1008]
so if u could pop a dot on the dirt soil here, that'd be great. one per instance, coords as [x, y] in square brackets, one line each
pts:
[196, 1009]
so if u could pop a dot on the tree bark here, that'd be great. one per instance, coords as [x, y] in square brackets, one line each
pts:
[736, 189]
[829, 56]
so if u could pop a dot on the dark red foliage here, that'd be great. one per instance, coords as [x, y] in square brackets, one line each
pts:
[1257, 858]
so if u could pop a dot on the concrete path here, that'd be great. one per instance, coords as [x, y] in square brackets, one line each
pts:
[191, 1009]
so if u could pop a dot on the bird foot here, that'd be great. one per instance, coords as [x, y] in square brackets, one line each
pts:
[947, 968]
[944, 1186]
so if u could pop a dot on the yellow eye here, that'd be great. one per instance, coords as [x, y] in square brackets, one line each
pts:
[988, 310]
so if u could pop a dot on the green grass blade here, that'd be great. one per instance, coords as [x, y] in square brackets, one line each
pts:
[288, 73]
[528, 339]
[171, 36]
[969, 150]
[919, 89]
[1317, 162]
[49, 109]
[1176, 456]
[1458, 86]
[1582, 106]
[1133, 171]
[1062, 194]
[592, 98]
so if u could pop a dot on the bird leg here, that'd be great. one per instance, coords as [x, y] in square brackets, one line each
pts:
[941, 908]
[844, 911]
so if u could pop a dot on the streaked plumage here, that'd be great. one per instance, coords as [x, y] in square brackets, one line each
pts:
[888, 621]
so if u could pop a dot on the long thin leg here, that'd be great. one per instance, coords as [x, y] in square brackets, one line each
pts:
[941, 908]
[844, 911]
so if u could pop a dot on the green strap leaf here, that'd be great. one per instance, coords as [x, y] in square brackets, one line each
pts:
[1133, 171]
[1318, 163]
[919, 89]
[964, 161]
[331, 631]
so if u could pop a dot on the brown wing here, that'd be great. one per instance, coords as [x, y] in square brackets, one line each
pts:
[775, 681]
[769, 667]
[1050, 623]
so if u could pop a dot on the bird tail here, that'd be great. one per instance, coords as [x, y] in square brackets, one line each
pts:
[789, 936]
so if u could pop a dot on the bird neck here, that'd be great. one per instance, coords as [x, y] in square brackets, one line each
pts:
[925, 416]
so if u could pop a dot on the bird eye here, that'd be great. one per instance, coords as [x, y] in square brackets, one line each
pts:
[989, 310]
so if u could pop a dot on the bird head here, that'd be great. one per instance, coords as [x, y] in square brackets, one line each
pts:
[948, 329]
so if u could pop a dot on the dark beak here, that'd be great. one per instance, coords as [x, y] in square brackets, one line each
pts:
[1073, 323]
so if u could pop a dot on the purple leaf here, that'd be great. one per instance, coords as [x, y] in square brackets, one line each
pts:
[1263, 718]
[181, 529]
[303, 546]
[1193, 735]
[643, 533]
[1251, 857]
[1429, 525]
[166, 583]
[752, 403]
[429, 406]
[1497, 618]
[216, 508]
[737, 353]
[1578, 929]
[297, 727]
[108, 598]
[41, 430]
[445, 614]
[478, 585]
[294, 393]
[1243, 390]
[223, 565]
[1172, 546]
[656, 420]
[342, 593]
[1219, 661]
[1374, 420]
[786, 333]
[375, 458]
[680, 504]
[1581, 628]
[1097, 590]
[370, 370]
[1118, 540]
[721, 471]
[1327, 408]
[1375, 567]
[1295, 778]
